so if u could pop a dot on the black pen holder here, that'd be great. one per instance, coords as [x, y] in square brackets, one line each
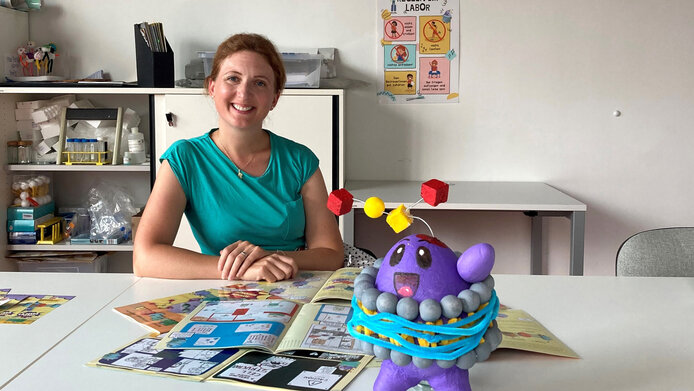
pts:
[154, 69]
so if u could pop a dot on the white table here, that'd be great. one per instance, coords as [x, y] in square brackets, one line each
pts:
[22, 345]
[535, 199]
[632, 334]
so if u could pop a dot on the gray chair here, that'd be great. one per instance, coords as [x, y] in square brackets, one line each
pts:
[662, 252]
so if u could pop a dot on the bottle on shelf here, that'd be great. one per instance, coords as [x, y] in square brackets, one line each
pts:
[12, 149]
[25, 152]
[136, 147]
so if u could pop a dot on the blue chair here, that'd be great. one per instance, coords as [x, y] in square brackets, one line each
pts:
[662, 252]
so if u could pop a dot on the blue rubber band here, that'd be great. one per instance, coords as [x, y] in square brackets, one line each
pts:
[392, 326]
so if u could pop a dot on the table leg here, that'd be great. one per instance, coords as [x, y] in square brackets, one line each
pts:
[578, 227]
[535, 243]
[347, 227]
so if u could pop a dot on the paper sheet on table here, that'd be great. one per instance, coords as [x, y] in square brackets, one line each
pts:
[522, 332]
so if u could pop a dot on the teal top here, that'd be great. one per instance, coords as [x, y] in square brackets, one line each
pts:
[222, 208]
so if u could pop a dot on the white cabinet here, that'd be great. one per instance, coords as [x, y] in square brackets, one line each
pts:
[310, 117]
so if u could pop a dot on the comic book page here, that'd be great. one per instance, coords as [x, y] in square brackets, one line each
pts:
[522, 332]
[141, 356]
[258, 324]
[31, 308]
[300, 289]
[339, 286]
[161, 315]
[321, 327]
[278, 371]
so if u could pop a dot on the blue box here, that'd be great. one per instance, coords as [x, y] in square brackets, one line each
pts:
[31, 213]
[23, 237]
[27, 225]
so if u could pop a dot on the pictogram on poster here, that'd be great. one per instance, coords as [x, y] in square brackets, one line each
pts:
[420, 40]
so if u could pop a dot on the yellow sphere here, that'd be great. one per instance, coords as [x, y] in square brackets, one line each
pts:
[374, 207]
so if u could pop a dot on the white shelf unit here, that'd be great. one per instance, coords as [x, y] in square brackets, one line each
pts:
[311, 116]
[71, 183]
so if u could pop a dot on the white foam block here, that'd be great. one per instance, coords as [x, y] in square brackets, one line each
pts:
[50, 128]
[63, 100]
[27, 125]
[45, 113]
[23, 114]
[32, 104]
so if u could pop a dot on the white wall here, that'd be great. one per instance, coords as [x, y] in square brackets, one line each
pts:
[540, 80]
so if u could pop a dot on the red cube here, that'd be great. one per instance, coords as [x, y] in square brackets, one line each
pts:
[434, 192]
[340, 202]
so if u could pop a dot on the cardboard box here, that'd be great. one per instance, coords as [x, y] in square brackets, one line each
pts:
[98, 265]
[135, 221]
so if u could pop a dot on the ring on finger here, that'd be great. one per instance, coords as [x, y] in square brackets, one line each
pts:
[244, 253]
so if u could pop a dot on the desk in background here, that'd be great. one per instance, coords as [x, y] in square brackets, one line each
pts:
[21, 345]
[632, 334]
[535, 199]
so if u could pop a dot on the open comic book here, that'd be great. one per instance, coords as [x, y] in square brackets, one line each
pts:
[522, 332]
[301, 370]
[280, 371]
[161, 315]
[142, 357]
[270, 325]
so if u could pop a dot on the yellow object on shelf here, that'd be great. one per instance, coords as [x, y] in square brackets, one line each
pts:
[85, 158]
[50, 231]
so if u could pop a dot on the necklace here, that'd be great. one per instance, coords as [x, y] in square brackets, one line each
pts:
[239, 173]
[238, 166]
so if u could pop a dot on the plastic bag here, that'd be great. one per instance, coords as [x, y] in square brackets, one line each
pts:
[110, 211]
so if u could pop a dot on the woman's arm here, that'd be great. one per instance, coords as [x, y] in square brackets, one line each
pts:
[323, 241]
[154, 254]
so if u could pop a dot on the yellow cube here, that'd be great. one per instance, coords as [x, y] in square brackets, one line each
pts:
[399, 218]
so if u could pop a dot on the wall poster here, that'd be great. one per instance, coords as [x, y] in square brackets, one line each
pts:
[420, 40]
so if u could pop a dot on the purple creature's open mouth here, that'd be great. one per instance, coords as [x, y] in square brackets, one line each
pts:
[406, 284]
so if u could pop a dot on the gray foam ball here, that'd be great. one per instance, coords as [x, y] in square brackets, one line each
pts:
[430, 310]
[381, 352]
[364, 277]
[361, 287]
[369, 297]
[482, 290]
[483, 351]
[451, 306]
[445, 363]
[467, 360]
[387, 302]
[400, 359]
[489, 282]
[470, 300]
[422, 363]
[366, 347]
[370, 270]
[408, 308]
[493, 336]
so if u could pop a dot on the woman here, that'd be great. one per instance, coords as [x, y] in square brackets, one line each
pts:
[256, 201]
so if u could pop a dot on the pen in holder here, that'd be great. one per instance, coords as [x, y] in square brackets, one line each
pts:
[154, 69]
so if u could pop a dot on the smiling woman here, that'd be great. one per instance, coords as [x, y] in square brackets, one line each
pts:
[256, 201]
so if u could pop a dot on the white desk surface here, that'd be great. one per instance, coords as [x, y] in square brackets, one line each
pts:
[23, 344]
[632, 334]
[507, 196]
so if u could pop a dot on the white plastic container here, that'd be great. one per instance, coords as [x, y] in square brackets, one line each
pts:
[136, 140]
[303, 70]
[207, 58]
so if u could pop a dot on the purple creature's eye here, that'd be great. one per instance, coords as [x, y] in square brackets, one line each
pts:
[423, 257]
[397, 255]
